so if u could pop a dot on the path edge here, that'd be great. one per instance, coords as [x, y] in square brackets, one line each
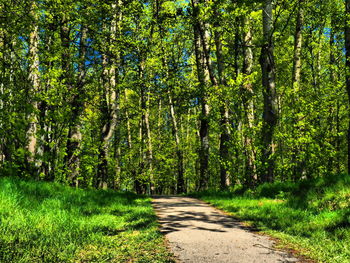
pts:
[279, 244]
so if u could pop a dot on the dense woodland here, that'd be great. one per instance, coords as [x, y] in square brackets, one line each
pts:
[160, 96]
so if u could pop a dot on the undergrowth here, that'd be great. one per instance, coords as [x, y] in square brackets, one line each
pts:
[48, 222]
[312, 216]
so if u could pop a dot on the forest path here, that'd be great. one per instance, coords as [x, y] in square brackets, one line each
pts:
[197, 232]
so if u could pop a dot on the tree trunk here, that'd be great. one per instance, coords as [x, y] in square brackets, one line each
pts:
[296, 76]
[270, 114]
[74, 133]
[347, 66]
[180, 170]
[117, 152]
[248, 105]
[224, 114]
[109, 110]
[128, 126]
[109, 105]
[72, 159]
[298, 40]
[140, 181]
[334, 79]
[149, 145]
[137, 183]
[205, 74]
[34, 80]
[2, 90]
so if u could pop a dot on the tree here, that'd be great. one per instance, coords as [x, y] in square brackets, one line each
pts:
[34, 79]
[248, 103]
[204, 74]
[270, 115]
[109, 98]
[170, 96]
[347, 66]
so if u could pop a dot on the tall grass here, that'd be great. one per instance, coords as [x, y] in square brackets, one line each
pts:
[312, 216]
[48, 222]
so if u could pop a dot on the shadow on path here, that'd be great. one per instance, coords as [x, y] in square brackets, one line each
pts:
[199, 233]
[187, 215]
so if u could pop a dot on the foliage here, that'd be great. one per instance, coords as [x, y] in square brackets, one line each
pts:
[112, 94]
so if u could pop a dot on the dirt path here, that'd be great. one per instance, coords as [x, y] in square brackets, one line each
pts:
[200, 233]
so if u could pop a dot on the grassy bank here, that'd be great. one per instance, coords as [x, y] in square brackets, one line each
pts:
[47, 222]
[312, 216]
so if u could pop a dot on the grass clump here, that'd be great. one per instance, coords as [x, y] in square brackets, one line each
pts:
[48, 222]
[312, 216]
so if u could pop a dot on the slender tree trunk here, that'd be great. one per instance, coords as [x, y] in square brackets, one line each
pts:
[109, 110]
[298, 41]
[224, 147]
[117, 152]
[270, 114]
[72, 158]
[140, 183]
[34, 79]
[2, 70]
[224, 115]
[109, 106]
[128, 126]
[133, 172]
[296, 76]
[205, 74]
[6, 75]
[347, 47]
[74, 134]
[140, 180]
[248, 104]
[180, 170]
[149, 144]
[334, 78]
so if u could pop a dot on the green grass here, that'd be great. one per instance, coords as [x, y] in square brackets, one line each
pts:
[312, 216]
[48, 222]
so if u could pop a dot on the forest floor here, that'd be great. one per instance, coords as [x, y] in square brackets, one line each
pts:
[197, 232]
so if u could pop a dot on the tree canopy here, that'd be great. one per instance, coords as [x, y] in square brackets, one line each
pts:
[162, 96]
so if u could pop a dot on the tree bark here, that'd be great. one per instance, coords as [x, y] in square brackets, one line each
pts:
[334, 79]
[180, 170]
[2, 67]
[270, 114]
[205, 74]
[72, 158]
[109, 107]
[248, 104]
[347, 70]
[133, 172]
[298, 40]
[149, 145]
[109, 104]
[117, 151]
[140, 179]
[74, 133]
[224, 114]
[34, 80]
[296, 76]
